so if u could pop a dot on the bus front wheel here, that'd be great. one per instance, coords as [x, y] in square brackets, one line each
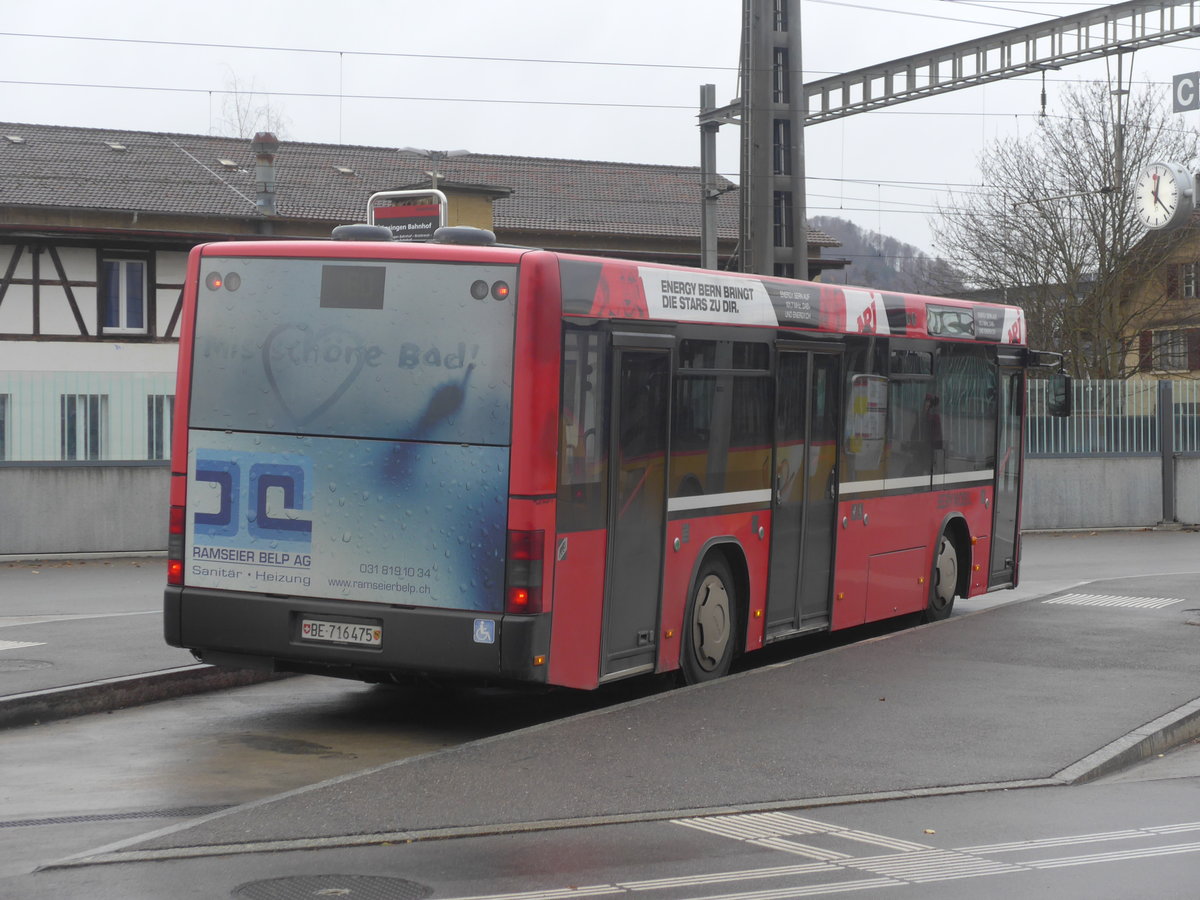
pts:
[943, 582]
[710, 624]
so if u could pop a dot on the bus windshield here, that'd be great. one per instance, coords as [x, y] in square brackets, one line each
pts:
[368, 349]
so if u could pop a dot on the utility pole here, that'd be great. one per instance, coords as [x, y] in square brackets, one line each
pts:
[708, 178]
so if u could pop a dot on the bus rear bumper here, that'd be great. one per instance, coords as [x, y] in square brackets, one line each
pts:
[246, 630]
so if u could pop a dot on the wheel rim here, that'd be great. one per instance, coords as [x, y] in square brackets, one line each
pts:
[945, 575]
[710, 623]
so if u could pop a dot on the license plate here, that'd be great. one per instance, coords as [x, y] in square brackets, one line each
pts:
[341, 633]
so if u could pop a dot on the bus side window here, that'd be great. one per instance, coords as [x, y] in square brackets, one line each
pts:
[966, 381]
[914, 414]
[866, 402]
[721, 418]
[583, 459]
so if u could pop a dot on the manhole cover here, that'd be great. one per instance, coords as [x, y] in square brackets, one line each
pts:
[355, 887]
[24, 665]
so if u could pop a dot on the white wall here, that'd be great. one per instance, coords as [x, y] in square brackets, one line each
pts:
[87, 356]
[51, 510]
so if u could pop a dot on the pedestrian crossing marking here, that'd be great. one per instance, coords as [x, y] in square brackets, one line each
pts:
[1109, 601]
[762, 827]
[924, 866]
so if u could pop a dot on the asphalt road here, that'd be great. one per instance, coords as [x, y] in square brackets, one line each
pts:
[69, 622]
[1136, 837]
[913, 761]
[65, 622]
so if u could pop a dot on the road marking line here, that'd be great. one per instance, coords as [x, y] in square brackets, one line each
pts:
[798, 849]
[20, 645]
[597, 890]
[810, 890]
[656, 884]
[1017, 846]
[10, 621]
[1173, 829]
[1116, 856]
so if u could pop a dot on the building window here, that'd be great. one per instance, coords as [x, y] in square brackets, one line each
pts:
[1187, 280]
[783, 219]
[160, 413]
[4, 403]
[781, 147]
[1170, 351]
[122, 295]
[779, 15]
[779, 77]
[83, 420]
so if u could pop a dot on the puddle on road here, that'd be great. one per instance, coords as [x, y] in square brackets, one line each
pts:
[273, 743]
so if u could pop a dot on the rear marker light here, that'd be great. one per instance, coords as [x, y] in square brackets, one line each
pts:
[214, 281]
[479, 289]
[175, 535]
[500, 290]
[523, 579]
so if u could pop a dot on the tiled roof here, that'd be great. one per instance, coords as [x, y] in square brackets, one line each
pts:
[85, 168]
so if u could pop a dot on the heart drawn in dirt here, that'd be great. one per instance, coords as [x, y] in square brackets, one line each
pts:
[310, 370]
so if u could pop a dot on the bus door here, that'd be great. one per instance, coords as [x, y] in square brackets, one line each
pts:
[805, 501]
[1010, 396]
[641, 391]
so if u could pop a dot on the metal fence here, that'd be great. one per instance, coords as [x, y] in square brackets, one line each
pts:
[85, 416]
[82, 416]
[1116, 418]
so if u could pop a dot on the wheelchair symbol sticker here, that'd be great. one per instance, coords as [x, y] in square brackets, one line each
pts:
[485, 631]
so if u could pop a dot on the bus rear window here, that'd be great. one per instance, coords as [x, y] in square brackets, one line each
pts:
[391, 350]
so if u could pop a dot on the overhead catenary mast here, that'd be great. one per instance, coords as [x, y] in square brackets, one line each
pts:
[775, 105]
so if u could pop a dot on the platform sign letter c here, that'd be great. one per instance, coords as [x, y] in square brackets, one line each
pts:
[1186, 92]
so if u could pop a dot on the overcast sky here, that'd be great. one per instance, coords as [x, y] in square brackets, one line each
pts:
[617, 80]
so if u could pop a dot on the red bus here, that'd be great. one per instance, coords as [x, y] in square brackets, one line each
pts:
[461, 459]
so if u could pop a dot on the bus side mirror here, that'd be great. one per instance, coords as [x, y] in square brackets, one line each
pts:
[1060, 396]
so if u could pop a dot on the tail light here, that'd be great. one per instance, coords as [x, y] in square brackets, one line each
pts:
[175, 546]
[523, 580]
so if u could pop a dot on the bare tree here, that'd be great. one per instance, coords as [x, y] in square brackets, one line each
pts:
[244, 113]
[1053, 229]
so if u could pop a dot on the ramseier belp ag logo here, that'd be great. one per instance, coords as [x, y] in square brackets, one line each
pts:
[246, 499]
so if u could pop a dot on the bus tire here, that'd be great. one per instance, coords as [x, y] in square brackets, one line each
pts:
[943, 580]
[710, 626]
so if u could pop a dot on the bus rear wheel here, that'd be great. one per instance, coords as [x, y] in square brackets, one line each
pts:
[710, 624]
[943, 581]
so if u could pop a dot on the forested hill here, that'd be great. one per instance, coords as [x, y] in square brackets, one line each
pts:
[884, 263]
